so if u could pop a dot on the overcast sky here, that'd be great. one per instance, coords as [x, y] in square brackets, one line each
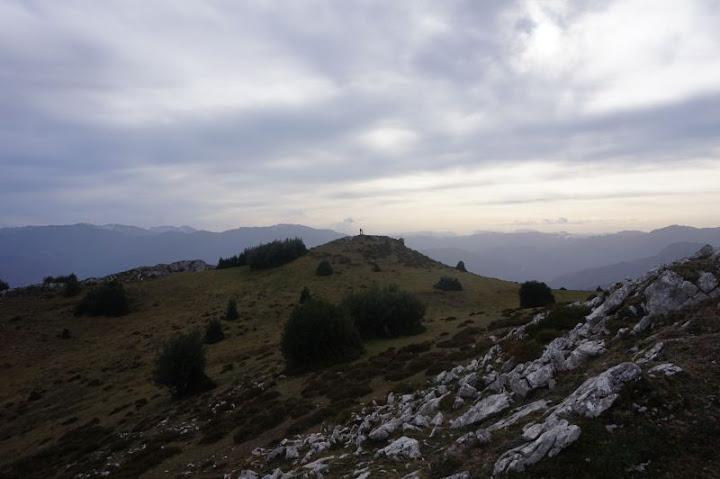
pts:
[394, 116]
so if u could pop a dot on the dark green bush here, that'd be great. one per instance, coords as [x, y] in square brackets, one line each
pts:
[385, 312]
[180, 365]
[72, 286]
[461, 267]
[214, 332]
[324, 268]
[524, 350]
[534, 294]
[232, 261]
[274, 254]
[304, 295]
[557, 321]
[4, 285]
[447, 283]
[232, 312]
[268, 255]
[319, 333]
[109, 299]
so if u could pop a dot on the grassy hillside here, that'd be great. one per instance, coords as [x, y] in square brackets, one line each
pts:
[68, 404]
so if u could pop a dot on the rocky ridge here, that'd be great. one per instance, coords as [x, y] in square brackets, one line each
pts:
[470, 405]
[136, 274]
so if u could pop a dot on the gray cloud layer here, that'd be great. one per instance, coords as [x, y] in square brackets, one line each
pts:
[224, 113]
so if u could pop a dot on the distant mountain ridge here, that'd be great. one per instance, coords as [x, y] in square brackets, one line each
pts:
[561, 259]
[29, 253]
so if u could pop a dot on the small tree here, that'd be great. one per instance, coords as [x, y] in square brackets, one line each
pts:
[304, 295]
[214, 332]
[72, 286]
[534, 294]
[386, 312]
[318, 332]
[461, 267]
[105, 300]
[324, 268]
[4, 285]
[180, 365]
[447, 283]
[232, 312]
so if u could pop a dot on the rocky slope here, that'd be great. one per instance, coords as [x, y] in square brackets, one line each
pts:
[492, 417]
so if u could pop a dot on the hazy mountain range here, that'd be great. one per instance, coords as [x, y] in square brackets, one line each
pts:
[575, 262]
[27, 254]
[30, 253]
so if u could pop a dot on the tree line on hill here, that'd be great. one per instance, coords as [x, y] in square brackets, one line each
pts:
[268, 255]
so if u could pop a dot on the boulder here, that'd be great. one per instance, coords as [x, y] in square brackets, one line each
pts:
[382, 432]
[707, 282]
[519, 414]
[645, 356]
[669, 292]
[597, 394]
[612, 303]
[667, 369]
[401, 448]
[466, 391]
[549, 443]
[585, 349]
[483, 409]
[704, 252]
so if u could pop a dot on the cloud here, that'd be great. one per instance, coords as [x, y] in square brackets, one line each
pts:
[406, 114]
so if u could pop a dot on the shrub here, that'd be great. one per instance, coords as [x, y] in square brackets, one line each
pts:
[461, 267]
[447, 283]
[318, 332]
[560, 319]
[72, 286]
[232, 312]
[4, 285]
[324, 268]
[386, 312]
[105, 300]
[180, 365]
[214, 332]
[304, 295]
[534, 294]
[524, 350]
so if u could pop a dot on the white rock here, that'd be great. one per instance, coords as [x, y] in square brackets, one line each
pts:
[483, 409]
[707, 282]
[467, 391]
[585, 349]
[421, 421]
[549, 443]
[597, 394]
[612, 303]
[291, 452]
[401, 448]
[642, 325]
[519, 414]
[430, 406]
[668, 369]
[645, 356]
[383, 432]
[540, 376]
[669, 292]
[438, 419]
[704, 252]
